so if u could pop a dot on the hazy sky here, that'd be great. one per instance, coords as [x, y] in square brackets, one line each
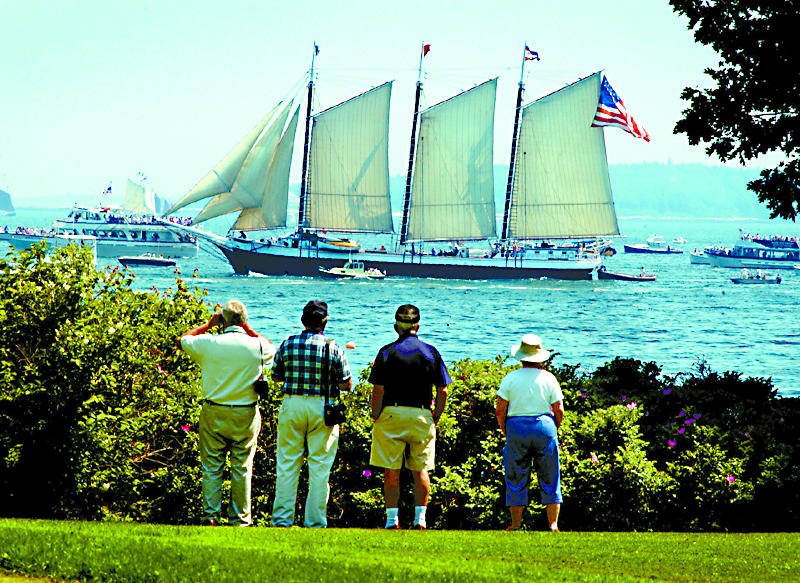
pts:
[97, 90]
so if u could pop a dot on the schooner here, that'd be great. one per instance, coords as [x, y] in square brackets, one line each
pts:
[558, 186]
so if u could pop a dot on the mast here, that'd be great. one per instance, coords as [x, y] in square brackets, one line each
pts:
[514, 137]
[301, 214]
[409, 176]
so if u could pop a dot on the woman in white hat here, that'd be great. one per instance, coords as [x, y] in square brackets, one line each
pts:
[530, 407]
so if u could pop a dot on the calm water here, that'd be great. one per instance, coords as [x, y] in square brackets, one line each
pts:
[691, 313]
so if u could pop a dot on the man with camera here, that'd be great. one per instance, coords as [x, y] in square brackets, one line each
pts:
[229, 420]
[405, 412]
[308, 364]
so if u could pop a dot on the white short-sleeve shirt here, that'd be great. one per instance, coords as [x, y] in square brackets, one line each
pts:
[530, 392]
[231, 362]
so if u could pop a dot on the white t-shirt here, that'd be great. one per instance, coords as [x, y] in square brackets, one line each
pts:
[231, 362]
[530, 392]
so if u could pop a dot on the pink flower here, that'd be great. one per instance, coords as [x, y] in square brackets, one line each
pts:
[594, 459]
[366, 473]
[731, 479]
[681, 430]
[689, 421]
[667, 391]
[682, 413]
[631, 405]
[671, 443]
[185, 428]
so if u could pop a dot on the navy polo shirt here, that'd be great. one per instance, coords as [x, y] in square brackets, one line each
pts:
[409, 369]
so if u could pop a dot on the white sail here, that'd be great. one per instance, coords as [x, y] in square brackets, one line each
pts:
[349, 165]
[247, 191]
[272, 211]
[452, 195]
[221, 178]
[561, 186]
[143, 200]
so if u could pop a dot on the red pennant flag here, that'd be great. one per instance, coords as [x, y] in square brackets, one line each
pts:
[425, 49]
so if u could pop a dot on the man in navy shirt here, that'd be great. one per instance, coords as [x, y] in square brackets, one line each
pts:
[405, 412]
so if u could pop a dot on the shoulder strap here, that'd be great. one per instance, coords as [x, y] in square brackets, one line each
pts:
[325, 380]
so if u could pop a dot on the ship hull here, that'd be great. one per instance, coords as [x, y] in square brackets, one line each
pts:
[277, 261]
[107, 248]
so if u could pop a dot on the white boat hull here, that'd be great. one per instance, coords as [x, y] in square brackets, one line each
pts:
[699, 259]
[113, 248]
[748, 263]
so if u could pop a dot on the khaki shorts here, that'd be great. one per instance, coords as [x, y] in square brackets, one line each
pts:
[398, 427]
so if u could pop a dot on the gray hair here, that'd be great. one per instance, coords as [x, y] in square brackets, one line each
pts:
[234, 313]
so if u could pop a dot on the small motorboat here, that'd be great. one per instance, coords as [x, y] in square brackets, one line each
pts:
[148, 259]
[602, 273]
[754, 280]
[352, 270]
[654, 244]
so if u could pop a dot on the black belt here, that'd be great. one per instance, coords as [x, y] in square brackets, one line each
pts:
[399, 404]
[210, 402]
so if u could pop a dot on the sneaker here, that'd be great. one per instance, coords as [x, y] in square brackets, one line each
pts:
[393, 527]
[513, 528]
[419, 527]
[209, 522]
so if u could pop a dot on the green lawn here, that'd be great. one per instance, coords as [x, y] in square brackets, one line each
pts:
[139, 552]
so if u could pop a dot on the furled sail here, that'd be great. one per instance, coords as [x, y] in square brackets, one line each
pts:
[561, 186]
[221, 178]
[452, 196]
[143, 200]
[348, 186]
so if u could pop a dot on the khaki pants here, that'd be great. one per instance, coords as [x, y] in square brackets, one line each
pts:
[223, 430]
[300, 421]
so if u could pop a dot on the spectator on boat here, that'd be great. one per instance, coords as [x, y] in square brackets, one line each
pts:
[405, 413]
[300, 363]
[530, 407]
[229, 419]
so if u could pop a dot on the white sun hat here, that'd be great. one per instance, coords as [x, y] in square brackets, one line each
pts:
[530, 349]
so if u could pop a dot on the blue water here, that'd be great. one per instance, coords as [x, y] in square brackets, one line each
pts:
[691, 313]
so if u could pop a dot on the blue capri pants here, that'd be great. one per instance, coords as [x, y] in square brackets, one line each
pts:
[531, 440]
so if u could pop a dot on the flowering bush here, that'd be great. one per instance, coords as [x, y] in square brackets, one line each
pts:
[96, 408]
[99, 411]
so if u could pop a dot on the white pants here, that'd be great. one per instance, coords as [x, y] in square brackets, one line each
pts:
[223, 430]
[300, 421]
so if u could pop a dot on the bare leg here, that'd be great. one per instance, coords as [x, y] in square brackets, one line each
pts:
[516, 516]
[391, 488]
[552, 515]
[422, 487]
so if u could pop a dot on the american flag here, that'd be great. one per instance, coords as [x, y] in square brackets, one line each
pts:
[531, 55]
[611, 112]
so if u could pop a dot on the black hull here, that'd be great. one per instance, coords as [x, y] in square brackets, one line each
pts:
[624, 276]
[631, 249]
[244, 261]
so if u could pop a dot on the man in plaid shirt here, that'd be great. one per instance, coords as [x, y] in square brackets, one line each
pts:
[299, 365]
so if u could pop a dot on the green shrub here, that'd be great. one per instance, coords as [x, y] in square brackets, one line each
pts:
[99, 411]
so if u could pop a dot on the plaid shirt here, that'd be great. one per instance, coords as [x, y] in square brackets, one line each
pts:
[298, 364]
